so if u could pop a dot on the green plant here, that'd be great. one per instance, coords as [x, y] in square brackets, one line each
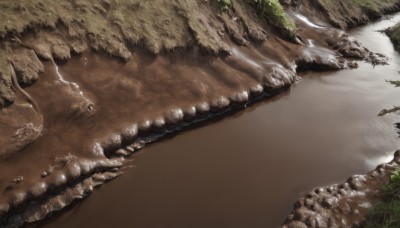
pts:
[224, 4]
[276, 16]
[387, 213]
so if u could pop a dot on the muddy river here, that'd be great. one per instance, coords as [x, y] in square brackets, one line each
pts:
[247, 169]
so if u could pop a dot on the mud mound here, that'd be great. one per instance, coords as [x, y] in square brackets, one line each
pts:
[342, 205]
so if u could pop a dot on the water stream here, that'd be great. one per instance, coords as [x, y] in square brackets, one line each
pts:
[247, 169]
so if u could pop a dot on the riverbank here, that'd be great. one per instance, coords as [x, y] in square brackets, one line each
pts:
[394, 34]
[352, 203]
[220, 64]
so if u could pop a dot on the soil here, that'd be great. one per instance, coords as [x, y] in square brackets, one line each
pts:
[177, 63]
[348, 13]
[342, 205]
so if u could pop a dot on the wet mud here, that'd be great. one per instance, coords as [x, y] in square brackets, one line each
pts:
[225, 174]
[342, 205]
[346, 204]
[74, 129]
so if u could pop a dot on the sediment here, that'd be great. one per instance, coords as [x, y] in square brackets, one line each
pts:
[342, 205]
[175, 64]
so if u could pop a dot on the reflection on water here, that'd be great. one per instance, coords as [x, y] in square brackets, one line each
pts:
[247, 170]
[379, 160]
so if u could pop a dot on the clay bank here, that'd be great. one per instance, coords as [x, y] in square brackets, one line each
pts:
[174, 66]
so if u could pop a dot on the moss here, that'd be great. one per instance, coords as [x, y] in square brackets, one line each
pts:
[394, 35]
[374, 7]
[224, 4]
[276, 16]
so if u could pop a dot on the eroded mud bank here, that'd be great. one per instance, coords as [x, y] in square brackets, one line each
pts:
[347, 204]
[342, 205]
[97, 111]
[93, 122]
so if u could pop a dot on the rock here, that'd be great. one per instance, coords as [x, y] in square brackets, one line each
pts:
[220, 103]
[240, 97]
[329, 202]
[256, 90]
[317, 220]
[73, 170]
[44, 174]
[174, 116]
[356, 182]
[130, 133]
[344, 208]
[189, 114]
[303, 214]
[203, 108]
[59, 180]
[145, 126]
[112, 142]
[18, 198]
[121, 152]
[159, 122]
[139, 145]
[299, 203]
[38, 189]
[14, 183]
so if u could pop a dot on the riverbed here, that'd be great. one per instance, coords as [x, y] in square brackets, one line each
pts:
[247, 169]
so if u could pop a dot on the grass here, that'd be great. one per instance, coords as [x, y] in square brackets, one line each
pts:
[345, 13]
[368, 6]
[374, 6]
[273, 11]
[276, 16]
[224, 4]
[394, 35]
[387, 213]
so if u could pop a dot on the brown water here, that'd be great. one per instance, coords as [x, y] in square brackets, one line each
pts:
[247, 169]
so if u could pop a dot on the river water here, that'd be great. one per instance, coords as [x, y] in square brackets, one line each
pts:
[247, 169]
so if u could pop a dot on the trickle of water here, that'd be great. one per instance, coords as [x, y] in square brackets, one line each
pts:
[307, 21]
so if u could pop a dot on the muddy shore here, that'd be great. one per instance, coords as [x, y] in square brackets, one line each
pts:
[94, 111]
[342, 205]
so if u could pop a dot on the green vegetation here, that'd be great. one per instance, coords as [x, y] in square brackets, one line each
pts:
[387, 213]
[275, 14]
[273, 11]
[374, 6]
[224, 4]
[394, 35]
[368, 6]
[345, 13]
